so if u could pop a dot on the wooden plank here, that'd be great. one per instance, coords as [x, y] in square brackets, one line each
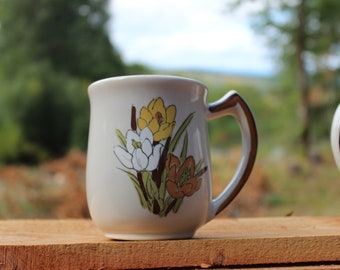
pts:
[78, 244]
[285, 267]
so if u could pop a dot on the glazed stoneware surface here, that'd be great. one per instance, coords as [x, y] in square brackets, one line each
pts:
[148, 164]
[335, 136]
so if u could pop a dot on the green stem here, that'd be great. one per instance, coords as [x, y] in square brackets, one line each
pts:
[141, 184]
[171, 205]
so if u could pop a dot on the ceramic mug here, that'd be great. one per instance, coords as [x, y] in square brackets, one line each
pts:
[148, 170]
[335, 136]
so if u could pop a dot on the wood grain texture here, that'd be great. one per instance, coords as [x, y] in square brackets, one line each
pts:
[78, 244]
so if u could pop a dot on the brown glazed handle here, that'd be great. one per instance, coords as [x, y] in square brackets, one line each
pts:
[233, 104]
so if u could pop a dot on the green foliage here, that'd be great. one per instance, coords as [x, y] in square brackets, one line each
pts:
[49, 109]
[70, 34]
[137, 68]
[50, 51]
[305, 36]
[225, 132]
[11, 139]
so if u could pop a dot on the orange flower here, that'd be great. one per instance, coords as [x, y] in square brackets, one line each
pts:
[181, 179]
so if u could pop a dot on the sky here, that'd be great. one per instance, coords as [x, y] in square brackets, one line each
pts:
[188, 34]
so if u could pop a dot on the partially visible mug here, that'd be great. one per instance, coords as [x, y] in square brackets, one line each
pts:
[335, 136]
[148, 170]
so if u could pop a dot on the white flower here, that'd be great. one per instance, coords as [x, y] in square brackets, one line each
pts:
[140, 153]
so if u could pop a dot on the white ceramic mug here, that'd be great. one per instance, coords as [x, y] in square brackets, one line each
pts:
[335, 136]
[148, 162]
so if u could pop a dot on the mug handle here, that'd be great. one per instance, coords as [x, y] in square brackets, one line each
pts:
[233, 104]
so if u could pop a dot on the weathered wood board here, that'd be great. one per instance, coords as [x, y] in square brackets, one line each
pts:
[247, 242]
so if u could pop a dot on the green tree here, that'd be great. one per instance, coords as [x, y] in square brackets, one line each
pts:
[70, 34]
[305, 34]
[50, 50]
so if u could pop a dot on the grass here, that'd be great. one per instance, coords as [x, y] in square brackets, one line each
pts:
[285, 185]
[302, 187]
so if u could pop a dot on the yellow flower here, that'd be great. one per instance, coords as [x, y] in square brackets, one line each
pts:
[159, 119]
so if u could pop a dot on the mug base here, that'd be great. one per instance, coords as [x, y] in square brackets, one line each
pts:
[141, 237]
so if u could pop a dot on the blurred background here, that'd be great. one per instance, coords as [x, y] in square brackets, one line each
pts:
[282, 56]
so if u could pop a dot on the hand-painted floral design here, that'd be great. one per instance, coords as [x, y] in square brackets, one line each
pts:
[139, 153]
[149, 154]
[159, 119]
[182, 179]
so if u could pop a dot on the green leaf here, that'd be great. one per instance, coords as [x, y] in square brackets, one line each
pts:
[177, 205]
[142, 200]
[145, 177]
[121, 138]
[162, 188]
[148, 184]
[154, 189]
[184, 148]
[135, 183]
[199, 166]
[179, 132]
[132, 176]
[161, 204]
[150, 206]
[167, 202]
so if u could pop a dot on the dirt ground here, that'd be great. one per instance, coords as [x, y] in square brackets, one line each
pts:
[56, 189]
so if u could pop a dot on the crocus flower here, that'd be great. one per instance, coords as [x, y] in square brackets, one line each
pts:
[140, 153]
[159, 119]
[181, 179]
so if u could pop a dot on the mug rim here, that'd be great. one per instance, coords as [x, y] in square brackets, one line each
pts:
[145, 77]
